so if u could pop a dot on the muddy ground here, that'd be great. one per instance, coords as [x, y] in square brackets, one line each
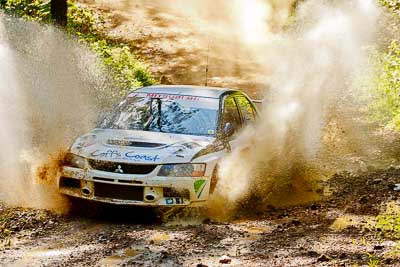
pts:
[334, 231]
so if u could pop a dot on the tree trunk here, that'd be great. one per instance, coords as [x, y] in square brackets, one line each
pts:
[58, 9]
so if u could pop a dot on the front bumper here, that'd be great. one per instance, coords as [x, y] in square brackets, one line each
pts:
[129, 189]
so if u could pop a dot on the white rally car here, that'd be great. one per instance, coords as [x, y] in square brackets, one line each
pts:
[159, 147]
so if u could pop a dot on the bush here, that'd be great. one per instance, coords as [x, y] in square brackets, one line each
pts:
[385, 87]
[83, 22]
[127, 72]
[36, 10]
[391, 4]
[387, 224]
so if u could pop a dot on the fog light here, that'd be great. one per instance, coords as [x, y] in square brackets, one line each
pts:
[150, 197]
[86, 191]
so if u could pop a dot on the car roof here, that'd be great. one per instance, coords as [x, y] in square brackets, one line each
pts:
[190, 90]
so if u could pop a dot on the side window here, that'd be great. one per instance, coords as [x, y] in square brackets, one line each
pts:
[246, 109]
[231, 113]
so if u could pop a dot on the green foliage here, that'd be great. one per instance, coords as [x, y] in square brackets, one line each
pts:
[373, 261]
[127, 72]
[391, 4]
[385, 87]
[387, 224]
[118, 60]
[5, 235]
[36, 10]
[83, 22]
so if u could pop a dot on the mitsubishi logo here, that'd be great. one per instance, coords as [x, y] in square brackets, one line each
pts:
[119, 169]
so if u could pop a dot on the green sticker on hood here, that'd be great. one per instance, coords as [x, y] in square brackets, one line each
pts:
[199, 186]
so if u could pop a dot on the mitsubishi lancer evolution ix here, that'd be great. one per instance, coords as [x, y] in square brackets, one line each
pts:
[159, 147]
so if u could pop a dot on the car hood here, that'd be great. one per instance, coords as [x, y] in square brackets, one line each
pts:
[143, 147]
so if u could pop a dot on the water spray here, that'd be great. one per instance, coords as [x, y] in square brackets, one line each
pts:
[48, 93]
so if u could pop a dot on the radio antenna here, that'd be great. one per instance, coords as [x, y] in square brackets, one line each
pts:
[208, 53]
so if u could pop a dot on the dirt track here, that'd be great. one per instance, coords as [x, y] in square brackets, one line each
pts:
[176, 46]
[330, 232]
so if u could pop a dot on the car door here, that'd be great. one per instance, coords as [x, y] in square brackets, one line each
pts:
[231, 114]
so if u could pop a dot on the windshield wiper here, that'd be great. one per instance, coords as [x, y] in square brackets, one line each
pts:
[152, 115]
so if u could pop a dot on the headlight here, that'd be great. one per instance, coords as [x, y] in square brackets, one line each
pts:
[182, 170]
[72, 160]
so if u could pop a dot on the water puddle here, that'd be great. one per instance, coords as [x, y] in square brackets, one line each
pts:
[253, 230]
[158, 238]
[38, 255]
[256, 230]
[52, 251]
[120, 257]
[346, 221]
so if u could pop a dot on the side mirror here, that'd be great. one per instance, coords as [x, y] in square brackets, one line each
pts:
[228, 130]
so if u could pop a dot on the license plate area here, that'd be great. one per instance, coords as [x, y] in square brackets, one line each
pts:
[115, 191]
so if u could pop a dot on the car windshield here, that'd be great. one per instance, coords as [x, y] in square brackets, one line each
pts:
[168, 113]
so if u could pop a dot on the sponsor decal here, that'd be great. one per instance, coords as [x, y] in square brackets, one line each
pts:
[85, 142]
[173, 200]
[165, 96]
[173, 97]
[199, 186]
[191, 145]
[110, 154]
[137, 157]
[130, 155]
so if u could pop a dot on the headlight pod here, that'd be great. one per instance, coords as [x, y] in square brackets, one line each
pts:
[182, 170]
[75, 161]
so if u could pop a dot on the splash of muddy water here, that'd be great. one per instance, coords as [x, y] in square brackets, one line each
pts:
[313, 67]
[47, 91]
[311, 61]
[48, 81]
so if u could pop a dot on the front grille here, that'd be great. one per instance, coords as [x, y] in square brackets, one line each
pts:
[103, 179]
[123, 192]
[122, 168]
[70, 182]
[119, 181]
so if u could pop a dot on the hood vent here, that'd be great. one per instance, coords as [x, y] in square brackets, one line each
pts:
[123, 142]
